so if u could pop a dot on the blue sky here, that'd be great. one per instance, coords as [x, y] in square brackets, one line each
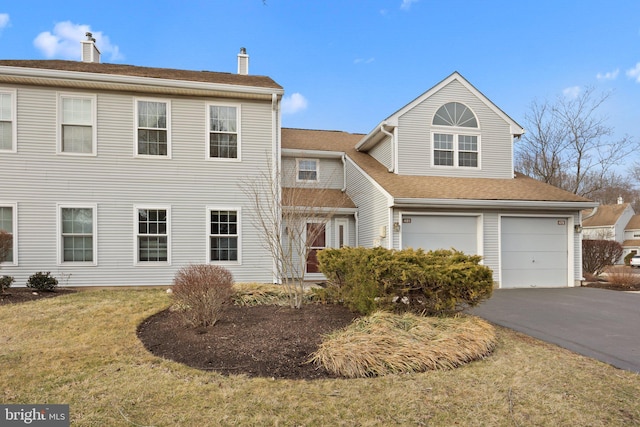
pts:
[347, 64]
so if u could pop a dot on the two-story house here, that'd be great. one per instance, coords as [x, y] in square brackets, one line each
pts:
[120, 175]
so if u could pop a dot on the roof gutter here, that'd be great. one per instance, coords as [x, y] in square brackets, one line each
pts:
[320, 154]
[491, 204]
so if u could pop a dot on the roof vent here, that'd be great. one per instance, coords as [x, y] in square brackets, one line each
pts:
[243, 62]
[620, 200]
[90, 52]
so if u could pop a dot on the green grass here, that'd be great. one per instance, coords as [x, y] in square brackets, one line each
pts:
[81, 349]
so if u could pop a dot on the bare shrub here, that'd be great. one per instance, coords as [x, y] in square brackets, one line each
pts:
[201, 293]
[599, 254]
[622, 276]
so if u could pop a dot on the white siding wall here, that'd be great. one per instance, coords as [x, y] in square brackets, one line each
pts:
[372, 207]
[37, 179]
[414, 137]
[382, 152]
[330, 173]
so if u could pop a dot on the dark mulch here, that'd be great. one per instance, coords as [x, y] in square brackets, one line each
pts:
[19, 295]
[261, 341]
[612, 286]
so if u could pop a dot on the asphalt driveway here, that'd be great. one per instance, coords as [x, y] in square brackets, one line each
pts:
[596, 323]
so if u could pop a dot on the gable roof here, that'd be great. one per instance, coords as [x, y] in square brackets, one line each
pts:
[75, 74]
[423, 189]
[374, 136]
[634, 223]
[603, 215]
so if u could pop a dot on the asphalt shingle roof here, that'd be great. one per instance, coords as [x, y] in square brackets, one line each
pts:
[605, 215]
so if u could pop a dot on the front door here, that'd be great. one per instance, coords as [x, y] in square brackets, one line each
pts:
[317, 240]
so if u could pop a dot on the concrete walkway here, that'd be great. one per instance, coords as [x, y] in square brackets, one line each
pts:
[596, 323]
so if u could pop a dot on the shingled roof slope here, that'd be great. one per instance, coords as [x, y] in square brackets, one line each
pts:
[150, 72]
[605, 215]
[316, 197]
[634, 223]
[520, 188]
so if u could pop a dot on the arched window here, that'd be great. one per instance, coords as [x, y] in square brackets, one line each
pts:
[455, 148]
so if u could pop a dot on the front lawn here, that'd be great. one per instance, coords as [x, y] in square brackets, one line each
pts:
[81, 349]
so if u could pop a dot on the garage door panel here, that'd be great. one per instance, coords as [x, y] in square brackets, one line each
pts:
[534, 252]
[431, 232]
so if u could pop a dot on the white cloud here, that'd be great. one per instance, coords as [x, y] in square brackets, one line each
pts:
[609, 75]
[634, 73]
[363, 61]
[4, 20]
[64, 42]
[571, 92]
[406, 4]
[294, 103]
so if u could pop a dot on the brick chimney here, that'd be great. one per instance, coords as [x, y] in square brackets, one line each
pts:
[90, 52]
[243, 62]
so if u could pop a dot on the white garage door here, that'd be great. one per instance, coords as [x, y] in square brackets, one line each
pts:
[534, 252]
[431, 232]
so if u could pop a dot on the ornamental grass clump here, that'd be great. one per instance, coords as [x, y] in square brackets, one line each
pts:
[201, 292]
[386, 343]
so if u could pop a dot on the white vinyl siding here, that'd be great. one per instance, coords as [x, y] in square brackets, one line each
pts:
[77, 234]
[76, 124]
[8, 215]
[382, 152]
[8, 128]
[330, 173]
[153, 234]
[153, 128]
[224, 235]
[223, 132]
[415, 144]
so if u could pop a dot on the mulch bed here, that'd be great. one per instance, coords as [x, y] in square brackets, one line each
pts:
[261, 341]
[20, 295]
[611, 286]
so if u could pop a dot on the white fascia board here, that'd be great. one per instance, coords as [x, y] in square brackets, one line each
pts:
[322, 210]
[491, 204]
[133, 80]
[299, 152]
[375, 136]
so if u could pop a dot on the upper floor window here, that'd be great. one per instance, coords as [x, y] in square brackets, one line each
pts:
[455, 143]
[152, 120]
[307, 169]
[77, 124]
[7, 223]
[224, 139]
[7, 120]
[78, 243]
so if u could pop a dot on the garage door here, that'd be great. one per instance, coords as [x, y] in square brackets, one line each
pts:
[431, 232]
[534, 252]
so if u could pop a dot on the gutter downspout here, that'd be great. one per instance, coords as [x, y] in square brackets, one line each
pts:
[393, 146]
[344, 172]
[276, 164]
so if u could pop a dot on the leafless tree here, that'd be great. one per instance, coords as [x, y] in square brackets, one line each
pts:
[570, 145]
[290, 220]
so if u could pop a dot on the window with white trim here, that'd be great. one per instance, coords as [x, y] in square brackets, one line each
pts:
[77, 234]
[7, 223]
[152, 234]
[224, 235]
[224, 132]
[77, 125]
[153, 137]
[455, 143]
[307, 169]
[8, 120]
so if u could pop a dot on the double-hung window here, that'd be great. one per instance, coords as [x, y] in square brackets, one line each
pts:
[77, 127]
[152, 234]
[307, 169]
[8, 224]
[153, 137]
[224, 235]
[456, 138]
[224, 132]
[8, 120]
[77, 225]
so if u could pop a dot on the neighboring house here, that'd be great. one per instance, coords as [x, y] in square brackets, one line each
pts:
[120, 175]
[613, 222]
